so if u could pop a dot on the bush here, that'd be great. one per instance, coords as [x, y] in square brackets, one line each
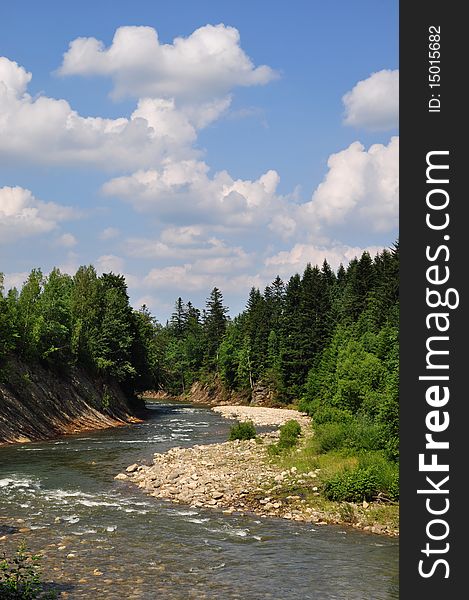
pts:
[363, 434]
[243, 431]
[289, 434]
[20, 577]
[373, 476]
[330, 436]
[354, 433]
[387, 473]
[352, 486]
[331, 414]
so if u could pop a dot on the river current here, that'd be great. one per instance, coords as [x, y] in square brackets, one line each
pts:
[104, 539]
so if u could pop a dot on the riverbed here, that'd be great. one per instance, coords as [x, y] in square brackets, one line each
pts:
[104, 539]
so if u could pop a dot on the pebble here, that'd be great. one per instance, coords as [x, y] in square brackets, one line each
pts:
[231, 476]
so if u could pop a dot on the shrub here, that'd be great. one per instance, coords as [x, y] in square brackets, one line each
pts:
[243, 431]
[387, 473]
[289, 434]
[331, 414]
[349, 433]
[373, 476]
[20, 577]
[352, 486]
[363, 434]
[330, 436]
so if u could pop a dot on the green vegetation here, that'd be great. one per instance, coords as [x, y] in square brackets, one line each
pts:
[61, 320]
[324, 341]
[289, 434]
[20, 577]
[243, 431]
[288, 438]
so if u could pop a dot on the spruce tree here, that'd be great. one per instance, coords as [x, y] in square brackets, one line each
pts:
[214, 324]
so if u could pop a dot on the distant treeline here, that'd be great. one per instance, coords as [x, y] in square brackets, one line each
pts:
[326, 340]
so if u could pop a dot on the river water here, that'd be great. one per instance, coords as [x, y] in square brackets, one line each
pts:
[104, 539]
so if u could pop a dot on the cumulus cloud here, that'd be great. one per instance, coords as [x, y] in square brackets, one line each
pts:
[46, 130]
[108, 263]
[23, 215]
[14, 280]
[374, 102]
[294, 260]
[206, 64]
[13, 78]
[185, 191]
[109, 233]
[360, 190]
[188, 278]
[66, 240]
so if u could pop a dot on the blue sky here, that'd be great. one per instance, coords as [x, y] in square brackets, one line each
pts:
[221, 158]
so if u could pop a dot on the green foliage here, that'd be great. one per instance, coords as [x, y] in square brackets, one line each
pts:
[373, 477]
[352, 486]
[106, 399]
[328, 341]
[243, 431]
[289, 434]
[330, 436]
[288, 438]
[59, 320]
[358, 433]
[20, 577]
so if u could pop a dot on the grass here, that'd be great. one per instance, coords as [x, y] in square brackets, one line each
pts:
[307, 457]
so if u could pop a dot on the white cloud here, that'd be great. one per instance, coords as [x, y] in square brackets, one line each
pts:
[374, 102]
[108, 263]
[109, 233]
[70, 263]
[22, 215]
[360, 190]
[67, 240]
[205, 65]
[14, 280]
[294, 260]
[177, 278]
[183, 236]
[187, 278]
[184, 191]
[46, 130]
[13, 78]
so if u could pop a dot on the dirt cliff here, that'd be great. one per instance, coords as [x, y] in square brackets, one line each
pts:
[38, 403]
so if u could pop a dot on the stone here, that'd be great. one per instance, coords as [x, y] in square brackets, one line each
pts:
[132, 468]
[217, 495]
[121, 476]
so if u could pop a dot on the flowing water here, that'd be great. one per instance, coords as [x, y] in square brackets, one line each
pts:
[104, 539]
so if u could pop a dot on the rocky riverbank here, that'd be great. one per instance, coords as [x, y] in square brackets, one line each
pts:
[37, 403]
[240, 476]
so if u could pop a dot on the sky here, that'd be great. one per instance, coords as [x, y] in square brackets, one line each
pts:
[189, 145]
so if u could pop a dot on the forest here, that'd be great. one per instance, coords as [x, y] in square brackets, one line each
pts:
[324, 341]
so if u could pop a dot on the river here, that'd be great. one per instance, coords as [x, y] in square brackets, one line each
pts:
[103, 539]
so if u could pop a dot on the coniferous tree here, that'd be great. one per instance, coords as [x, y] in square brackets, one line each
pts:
[215, 322]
